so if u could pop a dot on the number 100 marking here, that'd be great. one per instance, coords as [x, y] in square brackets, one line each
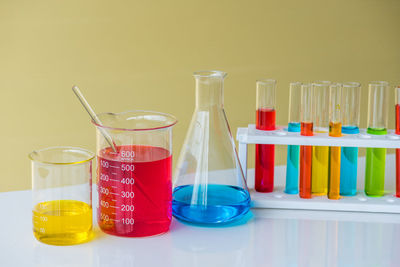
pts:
[128, 221]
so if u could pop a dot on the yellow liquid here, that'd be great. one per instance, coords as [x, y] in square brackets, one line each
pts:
[320, 170]
[62, 222]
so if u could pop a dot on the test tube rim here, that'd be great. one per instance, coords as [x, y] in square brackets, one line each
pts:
[209, 73]
[321, 83]
[336, 85]
[351, 84]
[378, 83]
[294, 83]
[32, 156]
[266, 81]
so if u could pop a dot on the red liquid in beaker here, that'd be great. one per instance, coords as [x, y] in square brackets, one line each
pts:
[265, 154]
[135, 190]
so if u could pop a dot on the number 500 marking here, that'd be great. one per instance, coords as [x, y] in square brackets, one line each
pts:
[127, 167]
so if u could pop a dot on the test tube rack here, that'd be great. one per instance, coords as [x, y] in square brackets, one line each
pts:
[280, 200]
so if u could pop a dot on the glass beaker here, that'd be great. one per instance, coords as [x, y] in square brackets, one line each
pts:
[62, 195]
[209, 186]
[134, 182]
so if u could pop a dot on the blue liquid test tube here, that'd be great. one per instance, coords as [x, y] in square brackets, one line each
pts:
[293, 152]
[351, 95]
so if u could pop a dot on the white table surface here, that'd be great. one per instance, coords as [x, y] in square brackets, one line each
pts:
[269, 238]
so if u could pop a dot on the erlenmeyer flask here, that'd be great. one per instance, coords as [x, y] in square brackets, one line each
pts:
[209, 187]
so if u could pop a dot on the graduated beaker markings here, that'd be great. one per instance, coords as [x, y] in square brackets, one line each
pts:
[128, 199]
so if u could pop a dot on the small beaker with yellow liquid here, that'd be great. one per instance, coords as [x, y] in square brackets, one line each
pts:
[62, 195]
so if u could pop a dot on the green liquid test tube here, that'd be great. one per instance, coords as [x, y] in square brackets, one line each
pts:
[377, 123]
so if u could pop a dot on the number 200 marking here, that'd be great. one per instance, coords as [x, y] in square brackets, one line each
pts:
[127, 207]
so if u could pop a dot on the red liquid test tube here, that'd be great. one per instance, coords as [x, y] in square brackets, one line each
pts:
[305, 162]
[265, 120]
[306, 116]
[397, 107]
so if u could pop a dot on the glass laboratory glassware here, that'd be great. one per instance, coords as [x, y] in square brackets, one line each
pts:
[307, 122]
[377, 125]
[134, 182]
[335, 130]
[351, 95]
[293, 151]
[209, 186]
[320, 160]
[62, 195]
[397, 131]
[265, 120]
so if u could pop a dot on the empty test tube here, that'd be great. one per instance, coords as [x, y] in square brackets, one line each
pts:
[335, 130]
[265, 120]
[320, 159]
[397, 131]
[351, 95]
[293, 151]
[306, 129]
[377, 125]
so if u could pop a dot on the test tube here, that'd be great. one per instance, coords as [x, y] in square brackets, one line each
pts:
[351, 95]
[265, 120]
[320, 159]
[293, 151]
[397, 131]
[377, 124]
[306, 129]
[335, 130]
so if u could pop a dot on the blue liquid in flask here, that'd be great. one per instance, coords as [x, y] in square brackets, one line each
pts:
[223, 204]
[348, 165]
[292, 165]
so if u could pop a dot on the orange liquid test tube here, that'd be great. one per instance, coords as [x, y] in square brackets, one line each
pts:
[335, 130]
[306, 118]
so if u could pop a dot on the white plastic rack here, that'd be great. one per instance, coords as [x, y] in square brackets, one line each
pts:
[280, 200]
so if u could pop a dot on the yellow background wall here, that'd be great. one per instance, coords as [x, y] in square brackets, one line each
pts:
[141, 55]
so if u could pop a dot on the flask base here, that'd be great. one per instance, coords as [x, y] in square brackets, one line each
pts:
[222, 204]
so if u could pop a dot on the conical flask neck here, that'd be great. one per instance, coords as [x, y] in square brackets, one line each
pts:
[209, 90]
